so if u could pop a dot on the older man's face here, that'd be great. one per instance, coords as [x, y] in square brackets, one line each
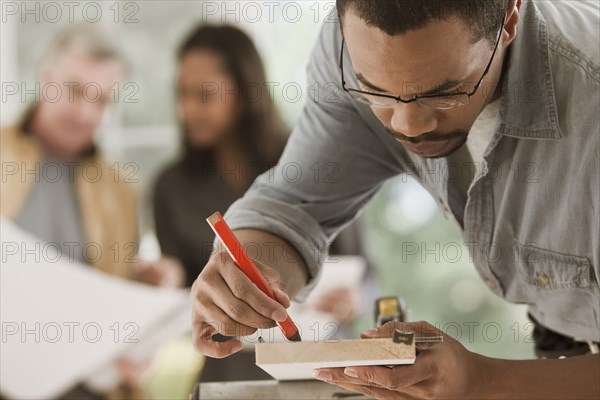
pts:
[68, 121]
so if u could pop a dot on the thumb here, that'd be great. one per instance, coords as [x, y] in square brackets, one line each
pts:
[385, 330]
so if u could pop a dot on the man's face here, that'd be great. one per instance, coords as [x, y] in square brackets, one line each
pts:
[67, 123]
[440, 57]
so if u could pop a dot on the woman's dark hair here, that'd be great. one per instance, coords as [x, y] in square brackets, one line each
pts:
[262, 131]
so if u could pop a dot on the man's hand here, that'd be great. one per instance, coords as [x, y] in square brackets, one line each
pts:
[164, 272]
[441, 370]
[226, 301]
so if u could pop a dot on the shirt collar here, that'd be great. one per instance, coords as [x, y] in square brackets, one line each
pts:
[528, 101]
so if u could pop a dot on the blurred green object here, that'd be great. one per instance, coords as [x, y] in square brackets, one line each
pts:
[420, 255]
[174, 371]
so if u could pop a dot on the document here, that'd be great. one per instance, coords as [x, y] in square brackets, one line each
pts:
[64, 323]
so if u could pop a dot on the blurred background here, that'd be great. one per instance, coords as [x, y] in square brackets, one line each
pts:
[417, 252]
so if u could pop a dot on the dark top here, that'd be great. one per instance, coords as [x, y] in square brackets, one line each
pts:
[184, 197]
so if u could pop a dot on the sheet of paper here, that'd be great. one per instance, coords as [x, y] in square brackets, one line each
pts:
[296, 361]
[64, 322]
[337, 271]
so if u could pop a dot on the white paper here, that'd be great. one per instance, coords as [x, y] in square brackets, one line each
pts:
[313, 325]
[64, 322]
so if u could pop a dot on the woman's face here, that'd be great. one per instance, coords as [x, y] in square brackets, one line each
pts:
[207, 99]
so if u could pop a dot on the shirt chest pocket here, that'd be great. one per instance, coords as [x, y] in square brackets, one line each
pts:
[563, 287]
[550, 270]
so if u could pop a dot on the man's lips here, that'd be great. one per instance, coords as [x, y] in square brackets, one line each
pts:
[428, 147]
[432, 144]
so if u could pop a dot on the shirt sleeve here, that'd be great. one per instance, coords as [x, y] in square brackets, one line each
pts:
[332, 165]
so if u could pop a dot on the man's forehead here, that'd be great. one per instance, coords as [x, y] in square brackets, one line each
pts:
[82, 68]
[440, 51]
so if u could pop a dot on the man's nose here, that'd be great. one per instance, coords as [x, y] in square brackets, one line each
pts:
[413, 120]
[90, 112]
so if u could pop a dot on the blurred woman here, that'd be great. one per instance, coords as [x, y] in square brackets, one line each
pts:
[230, 136]
[231, 133]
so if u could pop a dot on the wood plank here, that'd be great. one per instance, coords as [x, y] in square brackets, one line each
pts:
[295, 361]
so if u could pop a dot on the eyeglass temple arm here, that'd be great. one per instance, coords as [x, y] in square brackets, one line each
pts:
[489, 65]
[342, 63]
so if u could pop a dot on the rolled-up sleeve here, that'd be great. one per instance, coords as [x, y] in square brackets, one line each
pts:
[332, 165]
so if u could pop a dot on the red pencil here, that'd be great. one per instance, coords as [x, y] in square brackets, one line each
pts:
[236, 251]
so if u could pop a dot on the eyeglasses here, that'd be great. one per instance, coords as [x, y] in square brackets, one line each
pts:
[436, 101]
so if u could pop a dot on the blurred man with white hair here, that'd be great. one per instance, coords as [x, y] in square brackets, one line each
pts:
[57, 185]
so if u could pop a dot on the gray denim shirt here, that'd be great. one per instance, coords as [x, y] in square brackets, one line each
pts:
[531, 220]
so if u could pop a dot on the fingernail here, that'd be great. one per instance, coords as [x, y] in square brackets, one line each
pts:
[370, 332]
[279, 315]
[351, 372]
[322, 375]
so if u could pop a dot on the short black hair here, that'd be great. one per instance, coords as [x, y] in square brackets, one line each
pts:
[395, 17]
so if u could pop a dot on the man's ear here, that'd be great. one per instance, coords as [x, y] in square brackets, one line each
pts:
[512, 20]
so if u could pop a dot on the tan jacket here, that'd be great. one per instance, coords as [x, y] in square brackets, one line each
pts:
[107, 204]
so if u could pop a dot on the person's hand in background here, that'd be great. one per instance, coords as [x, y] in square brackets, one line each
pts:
[342, 302]
[165, 272]
[132, 374]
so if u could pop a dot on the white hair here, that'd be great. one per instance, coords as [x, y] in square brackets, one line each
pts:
[89, 39]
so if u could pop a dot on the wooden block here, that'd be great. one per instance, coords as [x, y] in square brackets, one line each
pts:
[297, 360]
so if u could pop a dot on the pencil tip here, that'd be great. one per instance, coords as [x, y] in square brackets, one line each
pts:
[295, 337]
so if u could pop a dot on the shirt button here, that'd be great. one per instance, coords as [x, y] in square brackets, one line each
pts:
[490, 282]
[543, 278]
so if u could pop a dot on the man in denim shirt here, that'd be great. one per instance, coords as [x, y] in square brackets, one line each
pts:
[398, 95]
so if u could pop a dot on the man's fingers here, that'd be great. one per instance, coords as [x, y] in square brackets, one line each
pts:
[337, 377]
[202, 341]
[271, 276]
[397, 378]
[423, 347]
[220, 321]
[227, 302]
[420, 328]
[384, 330]
[282, 297]
[238, 310]
[244, 289]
